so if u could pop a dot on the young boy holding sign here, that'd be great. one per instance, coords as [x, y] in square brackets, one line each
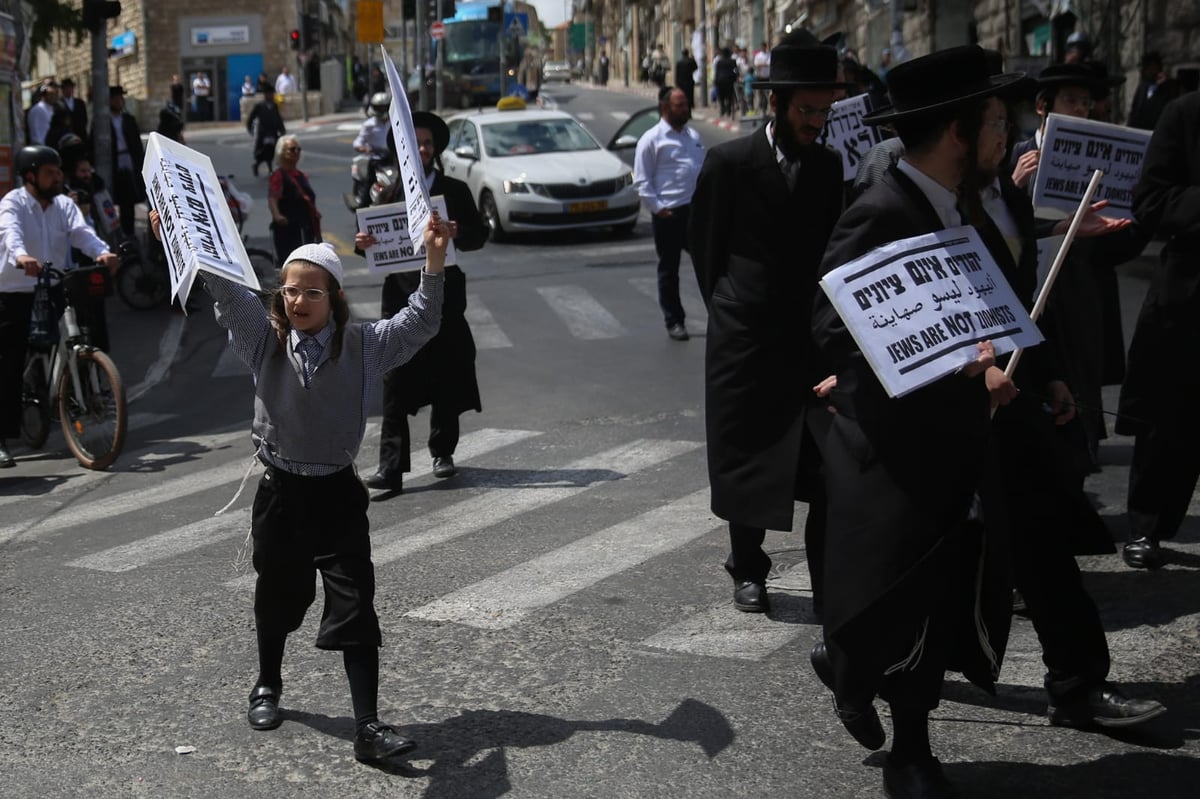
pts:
[312, 374]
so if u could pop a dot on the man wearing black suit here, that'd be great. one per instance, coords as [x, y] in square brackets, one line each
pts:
[77, 107]
[761, 215]
[1152, 94]
[127, 156]
[1159, 399]
[901, 554]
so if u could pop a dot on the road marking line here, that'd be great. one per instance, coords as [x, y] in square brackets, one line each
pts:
[487, 334]
[365, 311]
[693, 306]
[581, 313]
[724, 632]
[230, 365]
[168, 349]
[471, 445]
[340, 244]
[585, 116]
[512, 595]
[145, 551]
[620, 116]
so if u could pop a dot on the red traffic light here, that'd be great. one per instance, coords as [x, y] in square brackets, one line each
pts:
[294, 37]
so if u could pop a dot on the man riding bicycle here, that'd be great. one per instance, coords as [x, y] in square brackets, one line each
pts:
[39, 224]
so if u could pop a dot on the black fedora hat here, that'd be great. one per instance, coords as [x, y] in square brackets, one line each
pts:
[940, 81]
[1056, 76]
[799, 61]
[436, 125]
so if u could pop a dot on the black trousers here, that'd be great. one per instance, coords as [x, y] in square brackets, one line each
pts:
[125, 190]
[395, 440]
[302, 525]
[670, 240]
[1166, 465]
[15, 310]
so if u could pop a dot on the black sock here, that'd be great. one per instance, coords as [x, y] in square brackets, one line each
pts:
[270, 659]
[362, 669]
[910, 736]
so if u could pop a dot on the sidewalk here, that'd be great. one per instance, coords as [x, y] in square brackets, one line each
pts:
[709, 113]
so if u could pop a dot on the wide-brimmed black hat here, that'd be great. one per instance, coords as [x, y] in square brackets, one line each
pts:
[940, 81]
[1056, 76]
[802, 62]
[436, 125]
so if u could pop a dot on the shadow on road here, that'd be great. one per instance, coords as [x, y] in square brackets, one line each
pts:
[1111, 777]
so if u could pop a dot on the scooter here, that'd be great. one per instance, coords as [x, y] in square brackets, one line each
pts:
[362, 176]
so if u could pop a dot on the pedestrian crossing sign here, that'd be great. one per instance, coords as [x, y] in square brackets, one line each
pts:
[516, 24]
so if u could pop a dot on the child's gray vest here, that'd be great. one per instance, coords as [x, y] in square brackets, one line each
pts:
[319, 424]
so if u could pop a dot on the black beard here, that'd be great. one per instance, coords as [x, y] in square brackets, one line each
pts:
[47, 196]
[786, 139]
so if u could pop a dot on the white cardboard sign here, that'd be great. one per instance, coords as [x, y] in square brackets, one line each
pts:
[917, 307]
[1074, 148]
[412, 173]
[847, 135]
[198, 230]
[394, 250]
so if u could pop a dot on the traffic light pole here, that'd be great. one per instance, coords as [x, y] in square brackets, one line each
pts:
[441, 62]
[101, 113]
[422, 43]
[302, 61]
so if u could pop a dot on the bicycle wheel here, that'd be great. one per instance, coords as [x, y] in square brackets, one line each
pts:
[142, 285]
[264, 266]
[95, 430]
[35, 407]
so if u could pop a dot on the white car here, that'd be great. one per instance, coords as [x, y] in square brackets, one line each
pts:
[531, 170]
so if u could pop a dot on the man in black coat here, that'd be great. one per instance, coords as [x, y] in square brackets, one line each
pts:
[761, 215]
[127, 156]
[1160, 397]
[902, 559]
[265, 123]
[77, 107]
[442, 374]
[1152, 94]
[685, 68]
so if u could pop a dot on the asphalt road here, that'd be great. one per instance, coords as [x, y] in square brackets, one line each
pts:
[556, 619]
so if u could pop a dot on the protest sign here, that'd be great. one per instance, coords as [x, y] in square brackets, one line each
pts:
[394, 250]
[109, 216]
[198, 230]
[918, 307]
[1072, 149]
[847, 135]
[412, 173]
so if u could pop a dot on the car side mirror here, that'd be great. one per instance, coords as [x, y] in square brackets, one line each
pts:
[465, 152]
[624, 141]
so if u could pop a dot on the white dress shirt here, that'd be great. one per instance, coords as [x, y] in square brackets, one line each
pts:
[47, 234]
[40, 115]
[944, 201]
[667, 165]
[373, 134]
[286, 84]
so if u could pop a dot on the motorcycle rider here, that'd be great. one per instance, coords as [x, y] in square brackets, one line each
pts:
[372, 140]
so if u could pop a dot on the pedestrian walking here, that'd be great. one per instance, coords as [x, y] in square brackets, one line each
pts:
[313, 375]
[41, 114]
[265, 123]
[286, 83]
[201, 97]
[77, 107]
[725, 73]
[685, 81]
[761, 215]
[127, 156]
[665, 167]
[39, 224]
[442, 375]
[295, 219]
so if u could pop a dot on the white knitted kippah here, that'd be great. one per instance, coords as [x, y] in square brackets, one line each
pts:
[323, 255]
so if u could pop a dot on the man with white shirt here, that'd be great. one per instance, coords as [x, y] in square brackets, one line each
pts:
[202, 96]
[285, 83]
[665, 168]
[39, 225]
[42, 112]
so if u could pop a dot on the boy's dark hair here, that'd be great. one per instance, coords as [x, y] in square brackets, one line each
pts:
[337, 303]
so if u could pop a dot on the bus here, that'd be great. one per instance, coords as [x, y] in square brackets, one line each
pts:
[473, 47]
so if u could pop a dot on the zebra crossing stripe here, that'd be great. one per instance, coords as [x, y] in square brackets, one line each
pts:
[167, 545]
[487, 334]
[579, 311]
[471, 445]
[364, 310]
[496, 506]
[510, 596]
[724, 632]
[693, 306]
[620, 116]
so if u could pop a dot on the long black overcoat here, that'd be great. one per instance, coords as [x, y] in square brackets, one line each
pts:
[442, 371]
[756, 247]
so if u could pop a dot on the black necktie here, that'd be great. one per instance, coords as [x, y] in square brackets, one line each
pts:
[791, 173]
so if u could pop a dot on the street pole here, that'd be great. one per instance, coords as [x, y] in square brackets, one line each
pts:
[587, 40]
[301, 61]
[441, 61]
[703, 59]
[101, 113]
[422, 36]
[625, 42]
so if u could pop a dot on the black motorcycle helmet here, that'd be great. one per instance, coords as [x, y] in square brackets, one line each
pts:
[33, 158]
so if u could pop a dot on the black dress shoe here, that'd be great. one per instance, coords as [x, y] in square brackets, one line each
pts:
[750, 597]
[863, 725]
[264, 708]
[382, 481]
[377, 741]
[444, 467]
[922, 779]
[6, 459]
[1142, 553]
[1103, 707]
[678, 332]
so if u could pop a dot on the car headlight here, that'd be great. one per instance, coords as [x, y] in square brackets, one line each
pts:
[625, 180]
[516, 187]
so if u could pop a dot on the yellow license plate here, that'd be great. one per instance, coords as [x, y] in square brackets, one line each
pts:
[583, 208]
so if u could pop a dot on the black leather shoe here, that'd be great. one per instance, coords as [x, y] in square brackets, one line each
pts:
[6, 459]
[444, 467]
[1104, 707]
[751, 597]
[377, 741]
[678, 332]
[382, 481]
[864, 726]
[1142, 553]
[264, 708]
[922, 779]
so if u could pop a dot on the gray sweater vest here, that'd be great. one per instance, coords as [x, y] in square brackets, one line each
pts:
[320, 424]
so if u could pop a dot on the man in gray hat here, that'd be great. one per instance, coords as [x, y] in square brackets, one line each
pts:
[758, 276]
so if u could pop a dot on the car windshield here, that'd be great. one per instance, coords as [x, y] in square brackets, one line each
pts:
[536, 136]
